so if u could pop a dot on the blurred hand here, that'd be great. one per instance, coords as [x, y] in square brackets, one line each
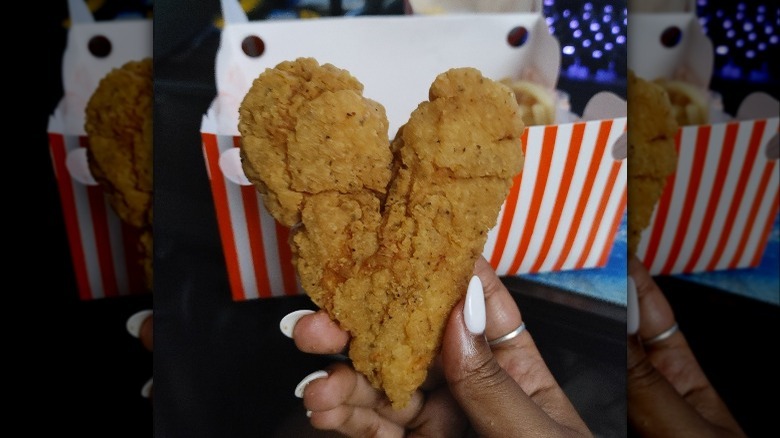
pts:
[141, 325]
[668, 393]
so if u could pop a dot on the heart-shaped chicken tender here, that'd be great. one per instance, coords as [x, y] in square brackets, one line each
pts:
[385, 235]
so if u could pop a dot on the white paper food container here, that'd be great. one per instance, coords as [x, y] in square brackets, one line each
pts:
[718, 207]
[103, 248]
[564, 208]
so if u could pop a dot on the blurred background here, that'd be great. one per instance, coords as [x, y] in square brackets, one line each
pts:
[745, 35]
[93, 369]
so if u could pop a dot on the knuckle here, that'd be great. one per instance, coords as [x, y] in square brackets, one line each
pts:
[642, 374]
[484, 373]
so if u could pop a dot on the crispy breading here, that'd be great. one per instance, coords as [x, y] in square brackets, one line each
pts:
[385, 235]
[118, 123]
[689, 104]
[652, 155]
[298, 126]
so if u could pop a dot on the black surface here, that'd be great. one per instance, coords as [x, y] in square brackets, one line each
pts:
[733, 338]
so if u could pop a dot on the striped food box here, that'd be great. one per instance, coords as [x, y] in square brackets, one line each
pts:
[561, 213]
[103, 248]
[718, 207]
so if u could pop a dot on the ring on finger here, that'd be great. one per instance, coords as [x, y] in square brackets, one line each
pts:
[666, 334]
[511, 335]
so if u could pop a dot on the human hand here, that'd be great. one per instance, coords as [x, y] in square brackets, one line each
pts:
[141, 325]
[503, 390]
[668, 393]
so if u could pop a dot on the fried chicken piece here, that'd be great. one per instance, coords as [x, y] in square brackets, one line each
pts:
[537, 103]
[652, 156]
[118, 123]
[689, 105]
[385, 236]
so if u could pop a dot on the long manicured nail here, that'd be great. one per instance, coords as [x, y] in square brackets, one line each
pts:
[135, 322]
[632, 308]
[474, 307]
[287, 324]
[308, 413]
[308, 379]
[146, 390]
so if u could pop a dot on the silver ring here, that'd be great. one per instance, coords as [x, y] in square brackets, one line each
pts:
[511, 335]
[666, 334]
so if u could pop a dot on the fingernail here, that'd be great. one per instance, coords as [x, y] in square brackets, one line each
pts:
[135, 321]
[287, 324]
[146, 390]
[474, 308]
[308, 379]
[632, 308]
[308, 413]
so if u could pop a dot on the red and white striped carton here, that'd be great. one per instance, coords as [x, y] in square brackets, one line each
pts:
[103, 248]
[718, 207]
[567, 203]
[572, 183]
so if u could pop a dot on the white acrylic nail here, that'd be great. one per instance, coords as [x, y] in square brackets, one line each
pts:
[146, 390]
[135, 322]
[474, 307]
[308, 379]
[287, 324]
[308, 413]
[632, 308]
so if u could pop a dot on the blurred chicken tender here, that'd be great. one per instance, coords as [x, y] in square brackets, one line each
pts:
[385, 236]
[652, 156]
[689, 105]
[118, 123]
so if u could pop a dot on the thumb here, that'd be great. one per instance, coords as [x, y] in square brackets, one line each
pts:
[494, 403]
[654, 406]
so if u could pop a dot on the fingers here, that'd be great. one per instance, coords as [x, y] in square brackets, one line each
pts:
[654, 406]
[655, 313]
[672, 356]
[666, 386]
[493, 401]
[341, 399]
[147, 389]
[356, 422]
[503, 316]
[314, 332]
[147, 334]
[140, 325]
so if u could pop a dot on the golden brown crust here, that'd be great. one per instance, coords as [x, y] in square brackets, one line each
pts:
[289, 95]
[118, 123]
[652, 155]
[389, 265]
